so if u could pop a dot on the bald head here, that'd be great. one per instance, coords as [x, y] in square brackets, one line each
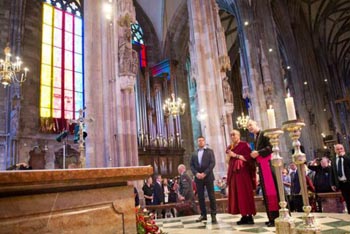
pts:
[339, 149]
[235, 132]
[235, 136]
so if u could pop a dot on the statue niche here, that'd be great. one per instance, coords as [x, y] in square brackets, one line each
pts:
[226, 88]
[37, 158]
[128, 58]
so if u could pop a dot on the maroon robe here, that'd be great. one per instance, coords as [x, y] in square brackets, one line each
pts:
[241, 181]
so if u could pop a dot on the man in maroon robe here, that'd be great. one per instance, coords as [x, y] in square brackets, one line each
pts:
[240, 179]
[263, 154]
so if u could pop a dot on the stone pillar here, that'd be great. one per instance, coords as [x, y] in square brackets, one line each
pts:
[110, 72]
[262, 79]
[205, 54]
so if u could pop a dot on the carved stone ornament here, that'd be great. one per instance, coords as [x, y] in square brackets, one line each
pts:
[125, 21]
[127, 83]
[226, 89]
[225, 64]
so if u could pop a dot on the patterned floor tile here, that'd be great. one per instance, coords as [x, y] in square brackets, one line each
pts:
[329, 223]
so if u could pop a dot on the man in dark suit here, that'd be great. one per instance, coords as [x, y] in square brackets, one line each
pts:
[340, 176]
[202, 164]
[186, 191]
[158, 193]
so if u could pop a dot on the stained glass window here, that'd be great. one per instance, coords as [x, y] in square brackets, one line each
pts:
[62, 78]
[137, 39]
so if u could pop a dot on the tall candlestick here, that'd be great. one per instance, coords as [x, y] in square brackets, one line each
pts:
[271, 117]
[290, 107]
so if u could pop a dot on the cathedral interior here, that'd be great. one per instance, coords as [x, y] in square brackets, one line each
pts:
[96, 83]
[224, 59]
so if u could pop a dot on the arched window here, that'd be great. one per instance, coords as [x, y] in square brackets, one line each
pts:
[137, 39]
[62, 77]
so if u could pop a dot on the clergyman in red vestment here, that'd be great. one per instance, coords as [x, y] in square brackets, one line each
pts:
[241, 181]
[262, 154]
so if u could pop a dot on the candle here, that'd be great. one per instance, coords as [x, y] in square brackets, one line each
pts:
[271, 117]
[290, 107]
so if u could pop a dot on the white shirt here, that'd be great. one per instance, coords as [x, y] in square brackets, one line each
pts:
[166, 194]
[343, 178]
[200, 156]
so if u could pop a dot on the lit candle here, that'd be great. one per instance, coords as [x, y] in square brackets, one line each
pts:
[271, 117]
[290, 107]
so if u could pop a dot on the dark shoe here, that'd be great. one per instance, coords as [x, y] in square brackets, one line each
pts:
[242, 221]
[201, 218]
[267, 222]
[271, 224]
[213, 219]
[250, 219]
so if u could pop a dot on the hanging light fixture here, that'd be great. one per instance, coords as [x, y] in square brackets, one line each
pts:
[174, 107]
[9, 70]
[242, 121]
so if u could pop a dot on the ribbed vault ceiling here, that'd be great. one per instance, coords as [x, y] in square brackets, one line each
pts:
[330, 20]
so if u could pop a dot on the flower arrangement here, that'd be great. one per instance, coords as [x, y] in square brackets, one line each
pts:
[145, 223]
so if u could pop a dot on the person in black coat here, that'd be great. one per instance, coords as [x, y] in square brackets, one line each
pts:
[340, 173]
[158, 192]
[202, 165]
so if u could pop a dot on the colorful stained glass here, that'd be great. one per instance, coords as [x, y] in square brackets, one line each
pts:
[68, 114]
[46, 54]
[58, 18]
[47, 14]
[68, 60]
[68, 80]
[68, 23]
[57, 57]
[45, 75]
[57, 37]
[78, 65]
[78, 44]
[68, 100]
[68, 41]
[57, 77]
[78, 78]
[78, 26]
[45, 112]
[47, 34]
[57, 98]
[57, 113]
[62, 56]
[45, 96]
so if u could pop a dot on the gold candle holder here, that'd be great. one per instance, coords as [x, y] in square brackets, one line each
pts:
[294, 128]
[284, 223]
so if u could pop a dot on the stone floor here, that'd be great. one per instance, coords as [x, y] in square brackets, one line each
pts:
[328, 222]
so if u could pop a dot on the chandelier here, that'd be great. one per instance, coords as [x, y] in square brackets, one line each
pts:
[9, 70]
[174, 107]
[242, 121]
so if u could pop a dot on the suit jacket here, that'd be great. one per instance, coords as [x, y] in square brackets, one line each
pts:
[207, 165]
[158, 194]
[263, 145]
[334, 173]
[186, 189]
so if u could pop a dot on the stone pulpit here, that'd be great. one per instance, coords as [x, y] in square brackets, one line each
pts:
[69, 201]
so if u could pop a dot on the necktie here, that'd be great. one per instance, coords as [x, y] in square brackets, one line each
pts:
[340, 167]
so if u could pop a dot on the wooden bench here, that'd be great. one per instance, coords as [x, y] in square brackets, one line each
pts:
[331, 202]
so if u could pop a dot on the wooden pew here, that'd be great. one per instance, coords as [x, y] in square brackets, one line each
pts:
[331, 202]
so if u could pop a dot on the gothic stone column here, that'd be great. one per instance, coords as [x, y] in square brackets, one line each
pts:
[110, 71]
[206, 69]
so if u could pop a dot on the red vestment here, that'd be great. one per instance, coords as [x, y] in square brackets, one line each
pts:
[241, 181]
